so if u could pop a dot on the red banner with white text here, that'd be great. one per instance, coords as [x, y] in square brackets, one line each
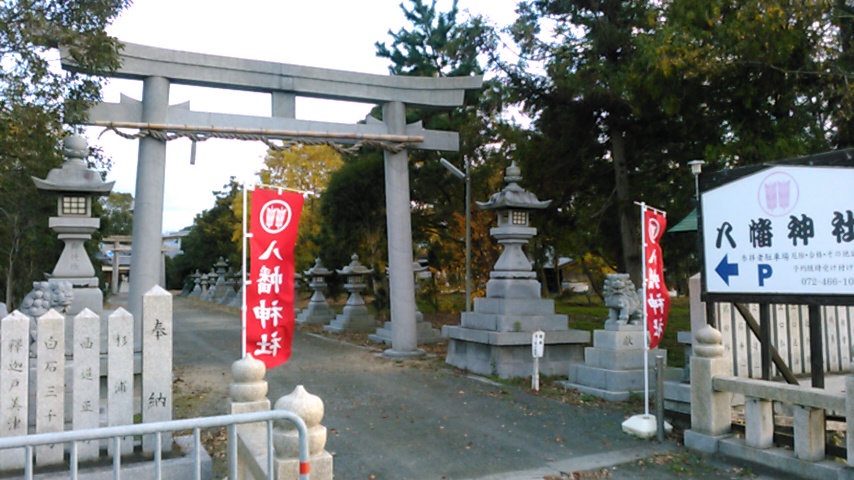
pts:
[273, 225]
[657, 299]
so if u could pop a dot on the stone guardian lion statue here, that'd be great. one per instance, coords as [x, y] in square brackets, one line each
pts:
[622, 298]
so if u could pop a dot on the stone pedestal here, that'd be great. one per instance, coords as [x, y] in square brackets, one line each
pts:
[317, 311]
[613, 366]
[354, 318]
[495, 339]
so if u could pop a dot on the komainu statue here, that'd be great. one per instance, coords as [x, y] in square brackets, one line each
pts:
[55, 294]
[622, 298]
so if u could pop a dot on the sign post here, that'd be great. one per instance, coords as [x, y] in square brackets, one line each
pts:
[538, 341]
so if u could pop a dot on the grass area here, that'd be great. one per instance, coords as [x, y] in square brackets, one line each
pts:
[588, 313]
[584, 312]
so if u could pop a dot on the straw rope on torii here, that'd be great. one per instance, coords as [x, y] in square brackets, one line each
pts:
[288, 138]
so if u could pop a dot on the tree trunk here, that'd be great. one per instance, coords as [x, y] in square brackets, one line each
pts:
[626, 209]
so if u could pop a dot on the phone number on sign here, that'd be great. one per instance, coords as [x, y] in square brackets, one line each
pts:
[827, 281]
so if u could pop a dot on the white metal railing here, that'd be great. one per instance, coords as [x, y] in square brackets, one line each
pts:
[28, 442]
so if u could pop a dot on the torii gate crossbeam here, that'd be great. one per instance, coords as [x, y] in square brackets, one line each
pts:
[159, 68]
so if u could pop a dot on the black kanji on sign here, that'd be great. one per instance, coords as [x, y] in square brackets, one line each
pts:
[843, 226]
[801, 228]
[760, 232]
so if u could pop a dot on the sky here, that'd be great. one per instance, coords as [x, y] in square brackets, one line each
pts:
[336, 34]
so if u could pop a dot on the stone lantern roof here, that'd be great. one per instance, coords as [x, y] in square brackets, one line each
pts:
[318, 270]
[354, 268]
[74, 176]
[513, 196]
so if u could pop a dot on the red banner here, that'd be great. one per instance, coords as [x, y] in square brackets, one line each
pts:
[657, 299]
[273, 224]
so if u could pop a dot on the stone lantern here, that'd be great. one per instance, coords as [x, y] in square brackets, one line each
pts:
[495, 338]
[77, 187]
[355, 316]
[317, 311]
[512, 275]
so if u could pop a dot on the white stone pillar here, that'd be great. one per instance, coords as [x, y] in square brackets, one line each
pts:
[14, 384]
[157, 363]
[50, 384]
[401, 282]
[148, 200]
[120, 374]
[87, 379]
[849, 413]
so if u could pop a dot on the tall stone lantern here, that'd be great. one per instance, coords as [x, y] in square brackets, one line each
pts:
[77, 187]
[512, 275]
[495, 338]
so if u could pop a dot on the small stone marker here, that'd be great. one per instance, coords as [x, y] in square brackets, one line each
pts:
[86, 379]
[120, 374]
[50, 383]
[157, 363]
[14, 384]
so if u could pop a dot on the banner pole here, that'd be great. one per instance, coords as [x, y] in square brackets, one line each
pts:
[243, 271]
[643, 309]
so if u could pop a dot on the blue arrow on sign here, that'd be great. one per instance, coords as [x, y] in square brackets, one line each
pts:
[726, 269]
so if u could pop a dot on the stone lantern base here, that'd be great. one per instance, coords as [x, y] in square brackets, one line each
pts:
[495, 339]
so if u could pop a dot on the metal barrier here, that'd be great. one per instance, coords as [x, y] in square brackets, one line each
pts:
[28, 442]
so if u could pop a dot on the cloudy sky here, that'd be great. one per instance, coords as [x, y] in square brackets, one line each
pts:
[336, 34]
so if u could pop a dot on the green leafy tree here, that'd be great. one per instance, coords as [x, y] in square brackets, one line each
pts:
[305, 168]
[116, 214]
[632, 90]
[442, 44]
[211, 236]
[38, 104]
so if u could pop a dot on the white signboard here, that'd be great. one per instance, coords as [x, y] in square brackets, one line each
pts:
[781, 230]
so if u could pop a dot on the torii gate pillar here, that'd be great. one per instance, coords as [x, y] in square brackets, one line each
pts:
[404, 341]
[148, 201]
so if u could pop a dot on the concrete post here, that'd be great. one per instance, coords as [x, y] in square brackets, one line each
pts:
[148, 200]
[404, 341]
[759, 422]
[809, 433]
[114, 278]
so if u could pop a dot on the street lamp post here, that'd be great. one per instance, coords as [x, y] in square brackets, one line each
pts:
[467, 178]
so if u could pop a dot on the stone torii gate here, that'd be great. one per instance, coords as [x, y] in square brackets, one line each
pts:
[159, 68]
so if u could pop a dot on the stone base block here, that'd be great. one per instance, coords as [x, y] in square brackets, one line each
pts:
[620, 359]
[610, 380]
[352, 322]
[515, 306]
[424, 332]
[781, 459]
[86, 297]
[598, 392]
[175, 468]
[316, 314]
[508, 354]
[514, 323]
[618, 339]
[677, 397]
[702, 442]
[515, 288]
[320, 467]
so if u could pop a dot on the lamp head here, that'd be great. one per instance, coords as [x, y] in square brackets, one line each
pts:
[696, 166]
